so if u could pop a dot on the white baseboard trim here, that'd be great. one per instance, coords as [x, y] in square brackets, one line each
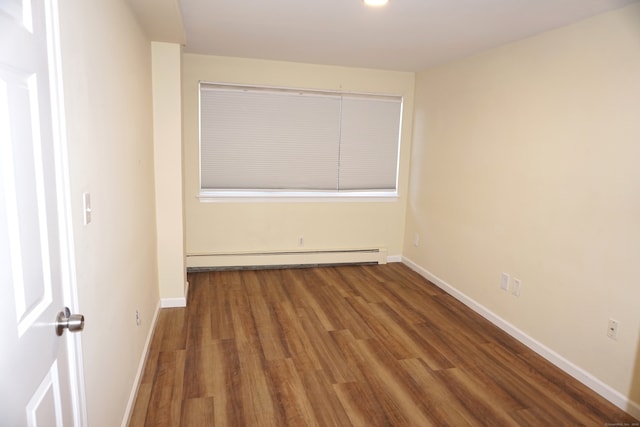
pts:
[394, 258]
[138, 378]
[173, 302]
[604, 390]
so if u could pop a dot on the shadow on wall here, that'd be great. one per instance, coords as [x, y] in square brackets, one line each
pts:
[634, 393]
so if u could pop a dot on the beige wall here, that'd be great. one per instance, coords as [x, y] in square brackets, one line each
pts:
[107, 76]
[167, 136]
[525, 161]
[267, 227]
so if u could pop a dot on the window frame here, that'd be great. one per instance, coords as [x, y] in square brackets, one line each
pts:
[296, 195]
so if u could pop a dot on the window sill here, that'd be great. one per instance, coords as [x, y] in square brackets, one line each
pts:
[296, 197]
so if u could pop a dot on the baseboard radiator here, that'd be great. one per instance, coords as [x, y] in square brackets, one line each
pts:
[197, 262]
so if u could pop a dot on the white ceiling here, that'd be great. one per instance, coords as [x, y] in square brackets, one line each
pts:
[405, 35]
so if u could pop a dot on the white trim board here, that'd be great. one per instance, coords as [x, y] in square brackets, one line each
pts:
[136, 382]
[394, 258]
[173, 302]
[176, 302]
[567, 366]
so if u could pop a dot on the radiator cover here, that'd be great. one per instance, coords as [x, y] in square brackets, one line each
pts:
[288, 258]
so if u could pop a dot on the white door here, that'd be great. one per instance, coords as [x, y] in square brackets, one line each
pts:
[40, 372]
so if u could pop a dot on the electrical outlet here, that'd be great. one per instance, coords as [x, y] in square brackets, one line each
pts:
[300, 240]
[416, 240]
[516, 288]
[138, 319]
[504, 282]
[612, 329]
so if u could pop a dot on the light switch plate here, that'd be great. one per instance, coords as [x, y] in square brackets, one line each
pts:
[504, 282]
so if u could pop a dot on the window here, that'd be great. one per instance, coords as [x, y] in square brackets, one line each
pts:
[259, 142]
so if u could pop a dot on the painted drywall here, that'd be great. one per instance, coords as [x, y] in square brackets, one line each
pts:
[167, 137]
[270, 227]
[525, 161]
[108, 99]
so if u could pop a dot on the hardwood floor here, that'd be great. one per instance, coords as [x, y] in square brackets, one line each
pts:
[341, 346]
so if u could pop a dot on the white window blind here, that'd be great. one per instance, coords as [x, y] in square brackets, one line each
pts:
[280, 140]
[369, 140]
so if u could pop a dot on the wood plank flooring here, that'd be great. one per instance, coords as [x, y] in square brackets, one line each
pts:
[341, 346]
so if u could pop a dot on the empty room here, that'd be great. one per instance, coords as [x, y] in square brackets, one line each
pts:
[418, 212]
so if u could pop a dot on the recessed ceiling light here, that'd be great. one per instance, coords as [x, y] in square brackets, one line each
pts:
[375, 3]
